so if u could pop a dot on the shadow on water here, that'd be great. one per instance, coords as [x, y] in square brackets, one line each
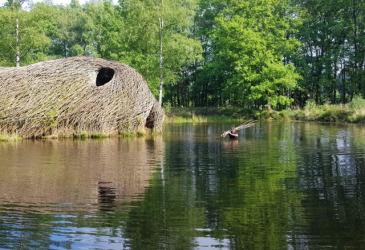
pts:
[107, 196]
[280, 186]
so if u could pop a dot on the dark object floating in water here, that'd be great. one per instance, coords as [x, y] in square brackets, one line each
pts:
[233, 134]
[76, 95]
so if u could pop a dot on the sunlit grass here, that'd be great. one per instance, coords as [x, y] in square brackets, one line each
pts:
[206, 115]
[351, 112]
[202, 119]
[82, 135]
[9, 137]
[86, 135]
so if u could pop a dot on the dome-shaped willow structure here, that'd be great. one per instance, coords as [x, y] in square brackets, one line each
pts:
[75, 95]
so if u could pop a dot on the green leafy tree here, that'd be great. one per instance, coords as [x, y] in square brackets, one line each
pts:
[23, 36]
[252, 46]
[142, 38]
[74, 33]
[332, 57]
[108, 31]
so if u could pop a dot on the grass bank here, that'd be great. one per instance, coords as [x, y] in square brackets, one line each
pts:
[9, 137]
[82, 135]
[207, 115]
[92, 135]
[353, 112]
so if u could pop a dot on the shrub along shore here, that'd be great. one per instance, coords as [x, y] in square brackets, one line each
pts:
[207, 115]
[353, 112]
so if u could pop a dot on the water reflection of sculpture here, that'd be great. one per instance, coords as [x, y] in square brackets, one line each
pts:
[77, 172]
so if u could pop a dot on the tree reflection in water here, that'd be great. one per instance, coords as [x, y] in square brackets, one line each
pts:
[281, 185]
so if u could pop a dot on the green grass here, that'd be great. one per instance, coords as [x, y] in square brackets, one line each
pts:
[81, 135]
[9, 137]
[206, 115]
[86, 135]
[353, 112]
[197, 119]
[130, 134]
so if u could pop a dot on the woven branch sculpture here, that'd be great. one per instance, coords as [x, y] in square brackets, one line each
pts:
[74, 95]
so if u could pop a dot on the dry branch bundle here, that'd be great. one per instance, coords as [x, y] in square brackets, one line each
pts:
[247, 124]
[74, 95]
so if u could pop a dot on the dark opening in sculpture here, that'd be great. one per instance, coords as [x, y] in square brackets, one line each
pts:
[104, 76]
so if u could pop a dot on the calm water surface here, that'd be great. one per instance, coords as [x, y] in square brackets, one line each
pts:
[280, 186]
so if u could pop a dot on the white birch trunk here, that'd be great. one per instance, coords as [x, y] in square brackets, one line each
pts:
[161, 55]
[17, 59]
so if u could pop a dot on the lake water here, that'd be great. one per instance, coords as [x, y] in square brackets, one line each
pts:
[280, 186]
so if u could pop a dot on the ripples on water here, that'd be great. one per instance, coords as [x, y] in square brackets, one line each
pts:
[280, 186]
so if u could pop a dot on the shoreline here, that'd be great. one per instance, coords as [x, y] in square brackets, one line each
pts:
[84, 135]
[351, 113]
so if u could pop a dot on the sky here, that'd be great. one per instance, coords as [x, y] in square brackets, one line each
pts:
[57, 2]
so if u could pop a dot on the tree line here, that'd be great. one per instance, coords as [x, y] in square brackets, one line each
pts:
[247, 53]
